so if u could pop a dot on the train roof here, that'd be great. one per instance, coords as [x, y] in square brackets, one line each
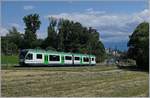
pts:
[52, 51]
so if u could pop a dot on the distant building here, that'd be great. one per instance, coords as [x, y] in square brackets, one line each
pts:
[112, 52]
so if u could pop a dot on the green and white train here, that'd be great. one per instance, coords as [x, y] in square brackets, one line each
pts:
[36, 57]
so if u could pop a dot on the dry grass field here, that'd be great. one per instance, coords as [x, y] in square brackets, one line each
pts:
[87, 81]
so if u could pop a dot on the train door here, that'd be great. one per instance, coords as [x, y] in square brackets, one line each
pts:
[81, 60]
[73, 59]
[90, 60]
[62, 59]
[45, 59]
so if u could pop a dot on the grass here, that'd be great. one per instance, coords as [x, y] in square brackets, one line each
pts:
[9, 59]
[87, 81]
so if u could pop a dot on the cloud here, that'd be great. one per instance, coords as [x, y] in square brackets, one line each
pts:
[89, 9]
[3, 31]
[92, 11]
[15, 25]
[28, 7]
[41, 35]
[112, 27]
[114, 37]
[108, 34]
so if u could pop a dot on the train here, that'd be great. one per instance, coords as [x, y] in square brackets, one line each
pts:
[37, 57]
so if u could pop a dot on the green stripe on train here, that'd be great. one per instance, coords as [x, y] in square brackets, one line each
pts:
[81, 60]
[46, 59]
[62, 59]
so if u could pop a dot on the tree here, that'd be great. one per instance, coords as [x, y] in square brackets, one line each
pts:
[60, 36]
[32, 24]
[12, 42]
[95, 46]
[139, 45]
[39, 43]
[73, 37]
[4, 45]
[15, 37]
[51, 40]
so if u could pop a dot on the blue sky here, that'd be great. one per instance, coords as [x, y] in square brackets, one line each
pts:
[115, 20]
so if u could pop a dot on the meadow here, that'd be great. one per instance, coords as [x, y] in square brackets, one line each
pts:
[86, 81]
[11, 59]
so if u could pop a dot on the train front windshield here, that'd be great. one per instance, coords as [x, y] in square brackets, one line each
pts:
[22, 54]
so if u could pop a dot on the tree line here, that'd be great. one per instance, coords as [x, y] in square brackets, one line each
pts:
[139, 45]
[62, 35]
[69, 36]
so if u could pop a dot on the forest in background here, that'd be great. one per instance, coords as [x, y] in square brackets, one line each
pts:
[62, 35]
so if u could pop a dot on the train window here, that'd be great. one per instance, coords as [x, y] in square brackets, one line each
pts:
[29, 56]
[39, 56]
[92, 59]
[86, 59]
[54, 58]
[77, 58]
[68, 57]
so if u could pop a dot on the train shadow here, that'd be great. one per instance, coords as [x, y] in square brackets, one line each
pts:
[22, 66]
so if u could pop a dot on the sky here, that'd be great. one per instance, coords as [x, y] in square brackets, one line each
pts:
[115, 20]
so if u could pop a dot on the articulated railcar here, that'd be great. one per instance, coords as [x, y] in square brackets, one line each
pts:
[52, 58]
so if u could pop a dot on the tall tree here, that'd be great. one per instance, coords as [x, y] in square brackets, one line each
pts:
[32, 24]
[139, 45]
[51, 40]
[60, 36]
[63, 35]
